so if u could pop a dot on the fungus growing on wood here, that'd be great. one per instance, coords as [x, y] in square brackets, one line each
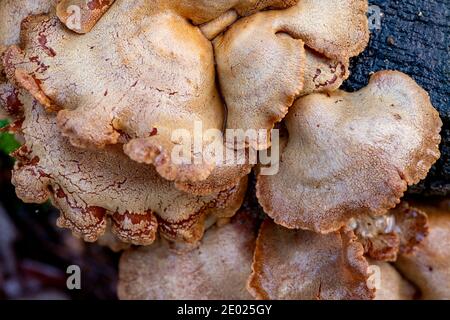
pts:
[92, 187]
[350, 155]
[267, 60]
[110, 88]
[299, 264]
[105, 92]
[217, 269]
[143, 92]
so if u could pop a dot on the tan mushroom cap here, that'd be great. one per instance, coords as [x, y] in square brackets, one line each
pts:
[304, 265]
[260, 74]
[400, 230]
[263, 66]
[224, 177]
[92, 187]
[343, 29]
[138, 88]
[392, 285]
[187, 89]
[352, 154]
[428, 266]
[216, 269]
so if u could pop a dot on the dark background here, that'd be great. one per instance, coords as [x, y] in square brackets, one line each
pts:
[34, 254]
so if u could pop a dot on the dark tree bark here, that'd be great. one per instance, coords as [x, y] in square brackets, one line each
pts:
[414, 38]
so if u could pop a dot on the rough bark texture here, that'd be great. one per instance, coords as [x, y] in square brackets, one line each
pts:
[414, 38]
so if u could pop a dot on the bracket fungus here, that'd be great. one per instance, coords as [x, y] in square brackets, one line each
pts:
[300, 264]
[91, 187]
[121, 83]
[267, 60]
[141, 84]
[352, 154]
[117, 100]
[286, 264]
[428, 265]
[217, 269]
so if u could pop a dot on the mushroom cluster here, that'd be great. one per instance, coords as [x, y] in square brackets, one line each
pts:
[101, 90]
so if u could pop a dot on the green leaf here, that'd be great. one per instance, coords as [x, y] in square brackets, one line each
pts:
[8, 143]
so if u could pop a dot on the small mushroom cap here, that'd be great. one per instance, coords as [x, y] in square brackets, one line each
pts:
[352, 154]
[428, 266]
[400, 230]
[303, 265]
[263, 66]
[141, 91]
[92, 187]
[216, 269]
[343, 30]
[225, 176]
[392, 285]
[260, 74]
